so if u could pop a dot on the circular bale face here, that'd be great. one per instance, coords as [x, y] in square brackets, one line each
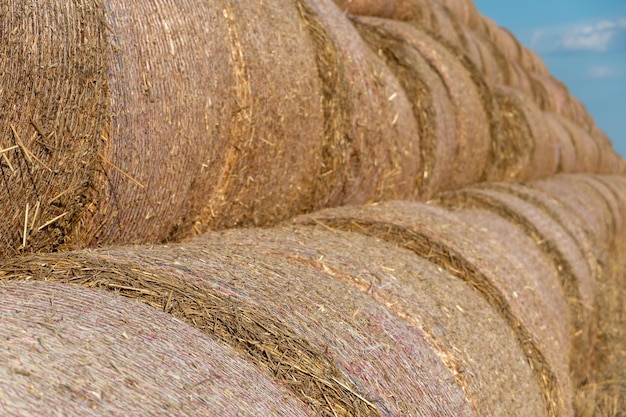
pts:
[473, 341]
[495, 258]
[77, 351]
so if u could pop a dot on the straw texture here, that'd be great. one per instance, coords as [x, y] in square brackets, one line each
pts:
[495, 258]
[474, 342]
[502, 300]
[337, 352]
[81, 352]
[175, 119]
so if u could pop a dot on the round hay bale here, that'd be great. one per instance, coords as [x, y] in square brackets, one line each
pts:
[609, 159]
[617, 185]
[495, 258]
[556, 90]
[576, 276]
[609, 197]
[576, 227]
[525, 148]
[417, 13]
[327, 342]
[520, 79]
[432, 17]
[587, 150]
[576, 111]
[465, 12]
[541, 94]
[483, 56]
[428, 95]
[82, 352]
[506, 43]
[45, 149]
[568, 157]
[372, 139]
[532, 62]
[583, 200]
[474, 342]
[465, 161]
[380, 8]
[511, 48]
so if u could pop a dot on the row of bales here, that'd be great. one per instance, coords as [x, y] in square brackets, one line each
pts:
[490, 301]
[300, 208]
[152, 121]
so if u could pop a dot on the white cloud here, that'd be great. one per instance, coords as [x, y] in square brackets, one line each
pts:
[594, 37]
[604, 72]
[586, 40]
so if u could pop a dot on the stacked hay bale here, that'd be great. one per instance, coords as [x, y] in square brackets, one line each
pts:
[176, 119]
[142, 122]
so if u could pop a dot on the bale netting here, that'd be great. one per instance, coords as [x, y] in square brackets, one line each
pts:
[473, 340]
[498, 260]
[171, 114]
[464, 160]
[75, 351]
[524, 148]
[327, 342]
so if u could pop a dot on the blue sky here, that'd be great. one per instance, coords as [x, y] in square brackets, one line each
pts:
[583, 42]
